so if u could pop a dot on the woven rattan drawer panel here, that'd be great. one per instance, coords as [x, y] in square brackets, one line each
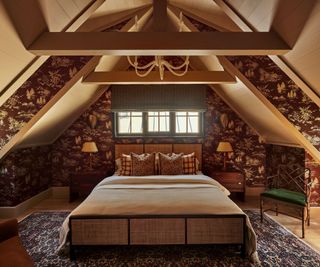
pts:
[215, 230]
[157, 231]
[99, 231]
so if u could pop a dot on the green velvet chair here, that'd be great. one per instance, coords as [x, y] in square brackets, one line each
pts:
[288, 192]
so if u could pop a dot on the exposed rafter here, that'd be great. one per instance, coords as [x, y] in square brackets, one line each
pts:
[130, 77]
[159, 43]
[243, 25]
[291, 128]
[38, 61]
[142, 17]
[233, 70]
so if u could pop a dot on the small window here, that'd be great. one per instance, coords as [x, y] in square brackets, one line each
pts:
[130, 123]
[158, 121]
[187, 122]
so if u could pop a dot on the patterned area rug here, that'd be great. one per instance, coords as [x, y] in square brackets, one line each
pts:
[276, 247]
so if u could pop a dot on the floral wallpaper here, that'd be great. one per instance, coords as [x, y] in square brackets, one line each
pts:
[315, 175]
[221, 123]
[283, 93]
[292, 157]
[95, 124]
[24, 173]
[34, 93]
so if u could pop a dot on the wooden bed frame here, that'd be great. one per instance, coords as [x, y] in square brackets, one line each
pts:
[157, 229]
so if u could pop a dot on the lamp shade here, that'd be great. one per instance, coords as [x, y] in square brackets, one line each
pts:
[224, 147]
[89, 147]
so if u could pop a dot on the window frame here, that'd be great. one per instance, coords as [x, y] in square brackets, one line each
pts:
[145, 133]
[116, 120]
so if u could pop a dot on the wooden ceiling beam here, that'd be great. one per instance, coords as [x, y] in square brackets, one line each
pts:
[130, 77]
[280, 61]
[159, 43]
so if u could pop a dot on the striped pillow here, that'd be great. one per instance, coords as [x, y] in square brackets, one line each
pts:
[125, 165]
[189, 164]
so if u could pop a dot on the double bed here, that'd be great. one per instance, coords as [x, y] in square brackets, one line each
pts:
[158, 210]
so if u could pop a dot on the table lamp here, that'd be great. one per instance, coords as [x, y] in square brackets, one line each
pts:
[224, 147]
[89, 147]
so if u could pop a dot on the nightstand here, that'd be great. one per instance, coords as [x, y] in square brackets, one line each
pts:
[232, 180]
[81, 184]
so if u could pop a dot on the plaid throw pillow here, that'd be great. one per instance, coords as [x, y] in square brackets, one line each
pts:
[125, 165]
[189, 164]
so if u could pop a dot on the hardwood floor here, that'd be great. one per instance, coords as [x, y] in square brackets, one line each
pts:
[312, 234]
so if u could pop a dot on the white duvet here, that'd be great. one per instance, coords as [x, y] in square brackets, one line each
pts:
[160, 194]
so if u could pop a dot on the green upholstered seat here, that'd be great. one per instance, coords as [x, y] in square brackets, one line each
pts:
[286, 195]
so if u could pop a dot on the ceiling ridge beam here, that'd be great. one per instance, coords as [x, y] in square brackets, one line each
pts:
[158, 43]
[34, 64]
[281, 63]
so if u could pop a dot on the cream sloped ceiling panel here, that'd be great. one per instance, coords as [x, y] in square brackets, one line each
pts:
[297, 22]
[17, 25]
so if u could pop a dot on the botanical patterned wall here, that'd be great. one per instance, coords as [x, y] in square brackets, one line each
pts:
[315, 174]
[35, 93]
[95, 124]
[221, 123]
[24, 173]
[283, 93]
[293, 157]
[279, 89]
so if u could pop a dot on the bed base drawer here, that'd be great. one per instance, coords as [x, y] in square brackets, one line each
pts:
[99, 231]
[215, 230]
[157, 231]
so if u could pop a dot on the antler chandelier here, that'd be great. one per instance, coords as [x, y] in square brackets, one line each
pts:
[160, 62]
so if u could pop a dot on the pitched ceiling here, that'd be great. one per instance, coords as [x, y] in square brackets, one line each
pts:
[264, 14]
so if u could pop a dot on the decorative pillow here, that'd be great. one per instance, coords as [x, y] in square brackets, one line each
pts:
[125, 169]
[142, 165]
[170, 165]
[189, 164]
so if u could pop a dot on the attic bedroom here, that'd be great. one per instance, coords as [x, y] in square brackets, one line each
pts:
[159, 133]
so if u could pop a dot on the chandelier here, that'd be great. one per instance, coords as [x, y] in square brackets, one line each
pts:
[160, 62]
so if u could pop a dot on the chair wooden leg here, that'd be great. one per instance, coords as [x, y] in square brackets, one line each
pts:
[308, 216]
[303, 222]
[261, 209]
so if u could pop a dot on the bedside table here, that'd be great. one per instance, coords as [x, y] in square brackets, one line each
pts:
[232, 180]
[81, 184]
